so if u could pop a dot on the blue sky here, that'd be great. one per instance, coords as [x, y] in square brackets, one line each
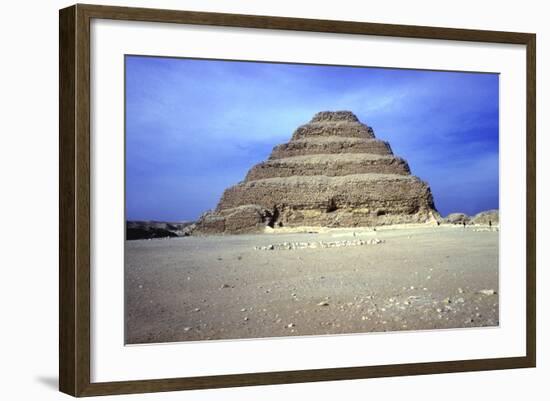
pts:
[195, 127]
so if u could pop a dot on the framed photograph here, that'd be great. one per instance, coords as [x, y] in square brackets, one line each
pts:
[250, 200]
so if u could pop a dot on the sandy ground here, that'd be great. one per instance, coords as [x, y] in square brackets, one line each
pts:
[220, 287]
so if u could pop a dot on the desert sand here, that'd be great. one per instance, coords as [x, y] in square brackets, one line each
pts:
[228, 287]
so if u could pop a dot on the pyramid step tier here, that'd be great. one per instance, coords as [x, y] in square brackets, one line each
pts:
[361, 200]
[330, 145]
[369, 194]
[329, 165]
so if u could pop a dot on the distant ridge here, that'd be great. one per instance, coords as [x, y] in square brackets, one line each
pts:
[149, 229]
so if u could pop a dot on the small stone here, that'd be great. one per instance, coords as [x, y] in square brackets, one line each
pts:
[186, 329]
[197, 310]
[438, 310]
[460, 291]
[290, 325]
[225, 286]
[412, 287]
[245, 318]
[243, 310]
[488, 292]
[323, 303]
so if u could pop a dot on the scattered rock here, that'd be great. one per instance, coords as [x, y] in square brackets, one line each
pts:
[487, 292]
[323, 303]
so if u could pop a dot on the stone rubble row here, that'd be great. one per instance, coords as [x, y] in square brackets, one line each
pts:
[317, 244]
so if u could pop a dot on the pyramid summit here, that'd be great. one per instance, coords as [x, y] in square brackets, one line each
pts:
[333, 123]
[333, 172]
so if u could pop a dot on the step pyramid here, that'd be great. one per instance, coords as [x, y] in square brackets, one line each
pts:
[333, 172]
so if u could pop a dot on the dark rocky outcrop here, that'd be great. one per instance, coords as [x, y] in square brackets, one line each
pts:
[332, 173]
[157, 229]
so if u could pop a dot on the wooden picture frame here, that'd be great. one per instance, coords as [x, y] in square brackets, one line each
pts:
[74, 203]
